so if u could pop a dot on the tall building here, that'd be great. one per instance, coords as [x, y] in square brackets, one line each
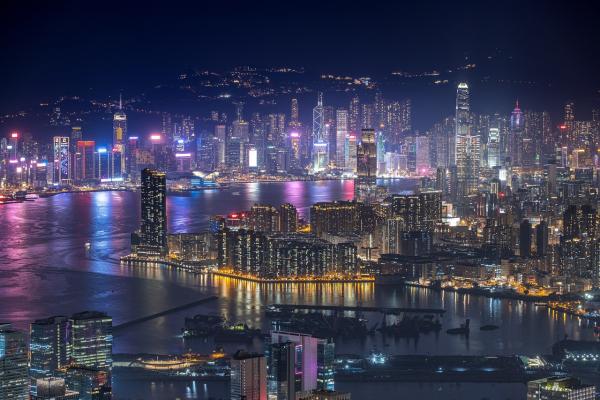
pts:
[264, 218]
[248, 376]
[13, 364]
[560, 388]
[61, 171]
[541, 239]
[91, 340]
[468, 146]
[48, 348]
[298, 363]
[119, 135]
[493, 148]
[153, 230]
[516, 136]
[337, 218]
[288, 218]
[320, 141]
[341, 125]
[365, 185]
[85, 162]
[294, 115]
[525, 239]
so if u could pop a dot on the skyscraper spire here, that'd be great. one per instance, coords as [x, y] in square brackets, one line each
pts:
[120, 102]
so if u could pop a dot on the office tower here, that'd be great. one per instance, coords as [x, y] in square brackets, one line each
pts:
[241, 130]
[354, 116]
[365, 184]
[341, 124]
[525, 239]
[248, 376]
[568, 138]
[61, 171]
[221, 135]
[325, 360]
[264, 218]
[283, 381]
[119, 135]
[493, 148]
[320, 141]
[294, 364]
[560, 388]
[85, 163]
[516, 136]
[294, 115]
[422, 155]
[76, 135]
[91, 340]
[417, 212]
[350, 154]
[13, 364]
[288, 218]
[153, 231]
[367, 117]
[468, 146]
[541, 239]
[337, 218]
[167, 126]
[48, 347]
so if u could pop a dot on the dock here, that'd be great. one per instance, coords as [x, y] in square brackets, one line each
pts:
[383, 310]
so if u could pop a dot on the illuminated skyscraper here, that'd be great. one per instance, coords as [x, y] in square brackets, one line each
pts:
[248, 376]
[294, 120]
[320, 142]
[365, 184]
[91, 340]
[341, 124]
[61, 172]
[85, 163]
[493, 148]
[13, 364]
[516, 136]
[354, 116]
[288, 218]
[153, 231]
[120, 133]
[468, 146]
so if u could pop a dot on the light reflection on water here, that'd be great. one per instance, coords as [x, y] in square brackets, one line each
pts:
[45, 270]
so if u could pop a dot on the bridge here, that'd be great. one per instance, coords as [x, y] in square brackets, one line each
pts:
[124, 325]
[383, 310]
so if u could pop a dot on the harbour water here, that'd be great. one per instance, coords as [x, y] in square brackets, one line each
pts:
[45, 269]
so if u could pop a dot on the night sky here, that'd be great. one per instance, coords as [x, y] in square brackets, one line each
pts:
[53, 48]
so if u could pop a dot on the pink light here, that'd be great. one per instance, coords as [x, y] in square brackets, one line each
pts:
[13, 161]
[181, 155]
[14, 135]
[155, 137]
[295, 135]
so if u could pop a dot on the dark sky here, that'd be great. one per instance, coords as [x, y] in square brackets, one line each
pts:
[63, 47]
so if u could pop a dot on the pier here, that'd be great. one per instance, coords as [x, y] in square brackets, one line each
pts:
[383, 310]
[117, 328]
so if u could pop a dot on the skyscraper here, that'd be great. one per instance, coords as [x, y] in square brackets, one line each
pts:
[294, 116]
[341, 124]
[288, 218]
[13, 364]
[365, 184]
[525, 239]
[153, 231]
[320, 142]
[61, 172]
[560, 388]
[516, 136]
[468, 146]
[248, 376]
[91, 340]
[48, 348]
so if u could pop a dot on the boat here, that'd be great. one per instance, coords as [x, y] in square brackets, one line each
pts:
[202, 325]
[489, 327]
[463, 330]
